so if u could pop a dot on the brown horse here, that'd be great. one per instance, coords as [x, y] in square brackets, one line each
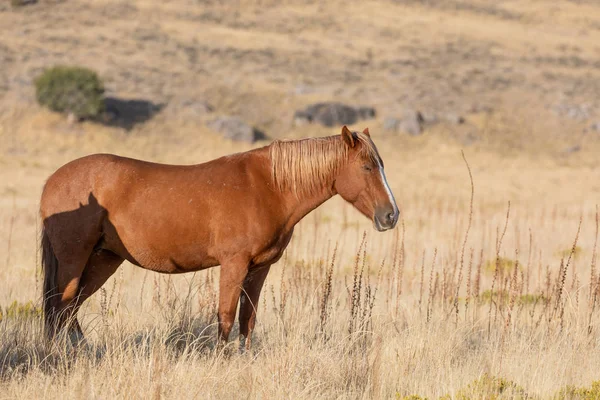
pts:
[237, 211]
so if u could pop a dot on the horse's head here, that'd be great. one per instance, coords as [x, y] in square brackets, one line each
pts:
[361, 181]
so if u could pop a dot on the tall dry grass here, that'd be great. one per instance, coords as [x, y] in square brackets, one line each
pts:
[347, 313]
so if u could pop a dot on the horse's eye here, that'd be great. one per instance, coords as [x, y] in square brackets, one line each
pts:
[367, 167]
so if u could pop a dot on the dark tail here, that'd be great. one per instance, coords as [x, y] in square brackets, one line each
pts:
[50, 294]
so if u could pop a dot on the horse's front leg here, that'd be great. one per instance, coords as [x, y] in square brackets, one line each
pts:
[232, 278]
[249, 303]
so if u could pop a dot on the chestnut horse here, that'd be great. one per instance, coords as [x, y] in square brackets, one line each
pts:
[238, 211]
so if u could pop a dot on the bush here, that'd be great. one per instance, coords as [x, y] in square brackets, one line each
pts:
[490, 388]
[75, 90]
[505, 265]
[575, 393]
[20, 310]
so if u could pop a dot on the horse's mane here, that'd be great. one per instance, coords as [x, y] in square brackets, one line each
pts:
[305, 166]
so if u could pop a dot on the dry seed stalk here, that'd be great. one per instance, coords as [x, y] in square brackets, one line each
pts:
[464, 244]
[400, 266]
[430, 297]
[496, 272]
[327, 290]
[593, 266]
[357, 283]
[421, 281]
[471, 255]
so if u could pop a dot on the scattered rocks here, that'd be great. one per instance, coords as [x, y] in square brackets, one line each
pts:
[413, 121]
[578, 112]
[234, 128]
[332, 114]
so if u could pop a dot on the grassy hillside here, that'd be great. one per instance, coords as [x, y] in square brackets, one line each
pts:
[524, 76]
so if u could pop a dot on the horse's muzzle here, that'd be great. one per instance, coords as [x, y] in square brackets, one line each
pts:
[386, 219]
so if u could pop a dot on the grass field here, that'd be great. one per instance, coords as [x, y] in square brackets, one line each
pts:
[466, 302]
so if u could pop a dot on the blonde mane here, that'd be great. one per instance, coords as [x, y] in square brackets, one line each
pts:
[305, 166]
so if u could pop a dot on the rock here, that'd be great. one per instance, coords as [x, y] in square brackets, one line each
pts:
[455, 118]
[234, 128]
[572, 149]
[595, 127]
[302, 118]
[411, 123]
[480, 108]
[429, 117]
[195, 107]
[303, 89]
[391, 124]
[189, 108]
[332, 114]
[366, 112]
[580, 112]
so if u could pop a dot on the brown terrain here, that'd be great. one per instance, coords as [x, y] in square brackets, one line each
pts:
[513, 84]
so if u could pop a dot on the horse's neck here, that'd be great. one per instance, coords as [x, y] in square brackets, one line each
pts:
[300, 206]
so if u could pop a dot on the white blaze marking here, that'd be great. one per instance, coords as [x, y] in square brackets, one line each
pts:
[387, 188]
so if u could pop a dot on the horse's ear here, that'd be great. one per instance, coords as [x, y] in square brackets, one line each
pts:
[366, 132]
[347, 136]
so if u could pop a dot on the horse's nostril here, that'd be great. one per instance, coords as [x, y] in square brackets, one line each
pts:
[390, 217]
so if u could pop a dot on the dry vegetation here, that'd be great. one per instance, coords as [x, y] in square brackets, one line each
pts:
[459, 303]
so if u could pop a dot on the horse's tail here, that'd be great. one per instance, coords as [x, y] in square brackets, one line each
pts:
[50, 288]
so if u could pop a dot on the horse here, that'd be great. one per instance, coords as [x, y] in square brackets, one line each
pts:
[237, 212]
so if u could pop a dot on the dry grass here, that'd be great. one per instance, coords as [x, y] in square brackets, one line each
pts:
[334, 323]
[425, 310]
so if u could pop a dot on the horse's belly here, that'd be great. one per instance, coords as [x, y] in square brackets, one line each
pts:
[172, 264]
[161, 256]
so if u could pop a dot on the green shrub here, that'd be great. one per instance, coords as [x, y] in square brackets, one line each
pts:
[577, 252]
[505, 265]
[491, 388]
[20, 310]
[74, 90]
[499, 295]
[532, 299]
[575, 393]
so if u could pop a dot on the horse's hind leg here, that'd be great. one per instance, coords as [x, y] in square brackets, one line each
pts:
[72, 248]
[101, 265]
[70, 270]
